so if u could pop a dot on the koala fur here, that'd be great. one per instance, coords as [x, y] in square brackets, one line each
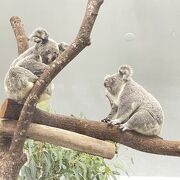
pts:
[26, 68]
[131, 105]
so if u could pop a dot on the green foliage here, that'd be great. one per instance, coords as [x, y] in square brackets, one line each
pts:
[50, 162]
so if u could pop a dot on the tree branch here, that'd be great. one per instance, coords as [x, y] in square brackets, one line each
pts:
[81, 41]
[156, 145]
[22, 44]
[10, 165]
[21, 39]
[63, 138]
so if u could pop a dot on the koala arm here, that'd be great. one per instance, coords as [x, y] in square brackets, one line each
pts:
[28, 52]
[125, 114]
[111, 114]
[37, 68]
[113, 111]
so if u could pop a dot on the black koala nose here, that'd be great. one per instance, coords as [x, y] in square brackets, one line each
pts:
[105, 84]
[55, 55]
[53, 58]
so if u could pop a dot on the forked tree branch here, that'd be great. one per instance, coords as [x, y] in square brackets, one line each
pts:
[22, 44]
[10, 110]
[11, 163]
[82, 40]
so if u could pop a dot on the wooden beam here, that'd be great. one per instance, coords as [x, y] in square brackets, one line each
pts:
[62, 138]
[99, 130]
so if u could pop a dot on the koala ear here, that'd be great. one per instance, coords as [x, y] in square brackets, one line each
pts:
[125, 71]
[39, 35]
[62, 46]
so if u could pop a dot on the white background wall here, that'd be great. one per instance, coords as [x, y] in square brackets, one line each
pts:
[144, 34]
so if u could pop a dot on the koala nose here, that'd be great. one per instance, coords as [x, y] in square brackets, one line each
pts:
[105, 84]
[55, 55]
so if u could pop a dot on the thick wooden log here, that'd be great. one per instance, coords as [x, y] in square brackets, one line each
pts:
[63, 138]
[99, 130]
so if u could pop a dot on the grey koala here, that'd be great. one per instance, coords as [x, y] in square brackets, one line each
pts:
[25, 69]
[132, 107]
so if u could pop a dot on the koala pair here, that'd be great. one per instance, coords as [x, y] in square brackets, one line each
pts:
[25, 69]
[132, 107]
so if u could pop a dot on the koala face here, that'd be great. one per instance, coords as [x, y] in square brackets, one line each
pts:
[45, 47]
[48, 50]
[113, 83]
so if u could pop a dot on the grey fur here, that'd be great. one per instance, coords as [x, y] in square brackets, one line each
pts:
[26, 68]
[131, 105]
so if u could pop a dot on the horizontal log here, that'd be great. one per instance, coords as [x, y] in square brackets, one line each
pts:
[99, 130]
[62, 138]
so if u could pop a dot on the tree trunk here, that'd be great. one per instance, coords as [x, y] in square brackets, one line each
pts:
[10, 166]
[12, 160]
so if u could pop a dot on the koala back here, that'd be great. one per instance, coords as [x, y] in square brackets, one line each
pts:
[135, 93]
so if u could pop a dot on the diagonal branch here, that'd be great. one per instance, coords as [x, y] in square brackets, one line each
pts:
[156, 145]
[82, 40]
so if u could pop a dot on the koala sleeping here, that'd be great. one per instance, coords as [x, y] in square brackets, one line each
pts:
[131, 105]
[25, 69]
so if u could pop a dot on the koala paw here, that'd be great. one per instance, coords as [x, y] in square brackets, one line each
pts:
[106, 120]
[114, 122]
[124, 127]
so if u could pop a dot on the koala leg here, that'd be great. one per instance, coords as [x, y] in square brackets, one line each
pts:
[18, 83]
[37, 68]
[123, 116]
[142, 122]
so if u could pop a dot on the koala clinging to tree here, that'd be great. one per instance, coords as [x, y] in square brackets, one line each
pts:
[25, 69]
[131, 105]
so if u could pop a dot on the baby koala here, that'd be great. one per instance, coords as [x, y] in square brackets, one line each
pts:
[25, 69]
[132, 107]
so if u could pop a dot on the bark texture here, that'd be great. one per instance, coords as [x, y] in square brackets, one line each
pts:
[150, 144]
[19, 32]
[64, 138]
[9, 170]
[82, 40]
[9, 163]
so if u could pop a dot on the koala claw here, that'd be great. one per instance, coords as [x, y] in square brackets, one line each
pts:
[124, 127]
[106, 120]
[114, 122]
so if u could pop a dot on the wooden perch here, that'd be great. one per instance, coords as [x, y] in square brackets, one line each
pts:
[63, 138]
[11, 110]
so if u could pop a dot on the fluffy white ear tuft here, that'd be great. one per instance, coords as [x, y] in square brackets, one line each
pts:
[125, 71]
[39, 35]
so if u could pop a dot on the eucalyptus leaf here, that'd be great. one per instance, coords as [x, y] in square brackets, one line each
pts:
[50, 162]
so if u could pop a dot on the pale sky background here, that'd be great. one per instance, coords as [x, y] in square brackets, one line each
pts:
[143, 34]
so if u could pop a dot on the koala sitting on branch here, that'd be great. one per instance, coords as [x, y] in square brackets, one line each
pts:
[132, 107]
[25, 69]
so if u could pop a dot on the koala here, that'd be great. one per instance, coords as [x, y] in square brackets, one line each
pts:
[26, 68]
[132, 107]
